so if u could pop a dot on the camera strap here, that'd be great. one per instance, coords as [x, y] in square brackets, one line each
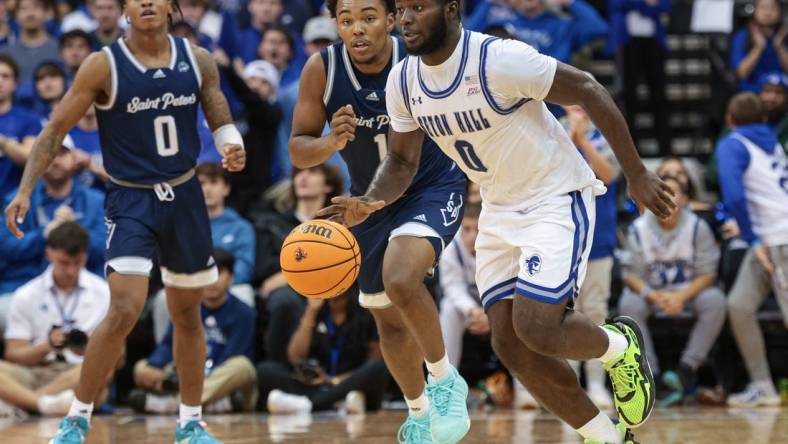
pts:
[337, 343]
[67, 318]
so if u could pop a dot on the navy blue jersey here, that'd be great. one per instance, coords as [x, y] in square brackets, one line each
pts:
[148, 128]
[366, 94]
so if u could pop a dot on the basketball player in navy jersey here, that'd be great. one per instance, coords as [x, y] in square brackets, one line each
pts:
[146, 87]
[345, 85]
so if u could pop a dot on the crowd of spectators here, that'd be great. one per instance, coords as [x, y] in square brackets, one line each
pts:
[271, 349]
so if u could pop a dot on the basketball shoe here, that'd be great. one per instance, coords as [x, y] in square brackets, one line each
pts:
[193, 433]
[73, 430]
[449, 420]
[630, 374]
[626, 436]
[415, 431]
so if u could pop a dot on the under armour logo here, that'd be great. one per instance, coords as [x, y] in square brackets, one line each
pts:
[415, 100]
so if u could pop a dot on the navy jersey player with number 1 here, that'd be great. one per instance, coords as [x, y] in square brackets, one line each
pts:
[146, 87]
[345, 85]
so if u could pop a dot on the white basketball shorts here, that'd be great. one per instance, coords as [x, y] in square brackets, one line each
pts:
[539, 253]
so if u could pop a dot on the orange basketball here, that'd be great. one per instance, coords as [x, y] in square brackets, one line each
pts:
[320, 259]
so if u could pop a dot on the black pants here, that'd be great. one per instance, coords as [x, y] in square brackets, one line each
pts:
[285, 308]
[370, 379]
[644, 58]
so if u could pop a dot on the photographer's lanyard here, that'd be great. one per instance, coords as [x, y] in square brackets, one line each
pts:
[68, 319]
[336, 345]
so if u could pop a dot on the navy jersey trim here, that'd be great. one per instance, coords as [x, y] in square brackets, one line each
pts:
[485, 89]
[129, 55]
[331, 69]
[193, 61]
[113, 69]
[403, 83]
[457, 78]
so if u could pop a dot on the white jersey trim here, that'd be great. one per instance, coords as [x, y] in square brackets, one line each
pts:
[113, 69]
[330, 75]
[140, 67]
[349, 69]
[193, 60]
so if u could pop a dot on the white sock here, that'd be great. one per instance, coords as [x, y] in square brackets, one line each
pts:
[161, 404]
[617, 344]
[418, 407]
[189, 414]
[79, 408]
[601, 428]
[439, 370]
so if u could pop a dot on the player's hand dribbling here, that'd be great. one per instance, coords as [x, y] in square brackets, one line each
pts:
[343, 127]
[15, 214]
[351, 211]
[649, 191]
[233, 157]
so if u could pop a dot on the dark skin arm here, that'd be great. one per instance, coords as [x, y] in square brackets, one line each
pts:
[573, 87]
[90, 84]
[217, 111]
[307, 147]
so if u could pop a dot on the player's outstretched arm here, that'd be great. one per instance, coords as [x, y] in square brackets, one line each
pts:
[307, 147]
[392, 178]
[574, 87]
[92, 79]
[227, 139]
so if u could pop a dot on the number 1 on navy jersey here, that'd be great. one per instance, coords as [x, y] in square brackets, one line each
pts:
[382, 143]
[166, 146]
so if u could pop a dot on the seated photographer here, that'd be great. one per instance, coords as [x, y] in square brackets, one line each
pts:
[336, 356]
[229, 333]
[49, 322]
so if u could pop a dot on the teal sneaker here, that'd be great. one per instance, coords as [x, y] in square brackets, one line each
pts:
[73, 430]
[415, 431]
[193, 433]
[449, 421]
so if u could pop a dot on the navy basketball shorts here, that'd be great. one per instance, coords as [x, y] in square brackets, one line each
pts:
[141, 227]
[433, 213]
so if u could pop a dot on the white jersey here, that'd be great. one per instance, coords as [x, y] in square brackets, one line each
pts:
[766, 185]
[483, 106]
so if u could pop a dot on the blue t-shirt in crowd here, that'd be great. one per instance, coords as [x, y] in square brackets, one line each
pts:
[229, 332]
[235, 234]
[89, 142]
[16, 124]
[769, 62]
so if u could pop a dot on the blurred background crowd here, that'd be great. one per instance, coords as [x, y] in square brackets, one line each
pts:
[672, 65]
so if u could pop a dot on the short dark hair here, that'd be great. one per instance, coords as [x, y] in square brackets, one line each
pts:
[287, 34]
[225, 261]
[212, 171]
[69, 237]
[746, 108]
[332, 6]
[75, 34]
[9, 61]
[333, 179]
[49, 69]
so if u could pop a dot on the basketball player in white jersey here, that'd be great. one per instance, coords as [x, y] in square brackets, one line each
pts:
[482, 101]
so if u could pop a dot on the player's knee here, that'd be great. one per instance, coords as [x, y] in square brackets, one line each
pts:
[186, 318]
[505, 346]
[540, 338]
[401, 284]
[122, 315]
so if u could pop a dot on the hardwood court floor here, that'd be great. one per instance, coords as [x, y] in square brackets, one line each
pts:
[687, 425]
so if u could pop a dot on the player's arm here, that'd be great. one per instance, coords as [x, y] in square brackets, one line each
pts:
[18, 152]
[307, 147]
[398, 168]
[226, 137]
[571, 86]
[92, 79]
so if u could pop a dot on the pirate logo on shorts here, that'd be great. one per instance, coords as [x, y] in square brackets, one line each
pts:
[533, 264]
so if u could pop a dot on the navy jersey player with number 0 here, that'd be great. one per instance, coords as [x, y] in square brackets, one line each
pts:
[146, 88]
[345, 85]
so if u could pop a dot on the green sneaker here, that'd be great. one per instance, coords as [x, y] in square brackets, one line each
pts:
[626, 434]
[73, 430]
[193, 433]
[415, 431]
[449, 421]
[630, 374]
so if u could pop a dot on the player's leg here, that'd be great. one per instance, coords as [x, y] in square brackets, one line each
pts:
[593, 302]
[402, 355]
[407, 260]
[550, 380]
[188, 342]
[749, 291]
